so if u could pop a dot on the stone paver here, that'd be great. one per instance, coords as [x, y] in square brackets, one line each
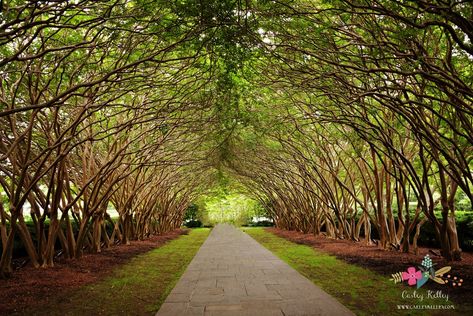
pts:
[232, 274]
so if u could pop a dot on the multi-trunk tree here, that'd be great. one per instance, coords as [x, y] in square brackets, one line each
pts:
[342, 117]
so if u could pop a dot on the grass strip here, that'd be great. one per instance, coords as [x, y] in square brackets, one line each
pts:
[361, 290]
[138, 287]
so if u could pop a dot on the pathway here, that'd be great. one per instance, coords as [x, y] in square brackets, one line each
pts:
[232, 274]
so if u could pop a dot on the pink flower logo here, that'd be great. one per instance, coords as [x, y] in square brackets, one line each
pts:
[412, 276]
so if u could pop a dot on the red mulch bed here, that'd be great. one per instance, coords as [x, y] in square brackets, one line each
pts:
[29, 287]
[387, 262]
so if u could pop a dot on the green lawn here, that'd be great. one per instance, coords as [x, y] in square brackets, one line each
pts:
[361, 290]
[136, 288]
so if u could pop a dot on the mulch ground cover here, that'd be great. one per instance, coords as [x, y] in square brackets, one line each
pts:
[387, 262]
[29, 287]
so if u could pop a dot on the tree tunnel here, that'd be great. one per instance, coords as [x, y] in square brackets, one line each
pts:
[346, 118]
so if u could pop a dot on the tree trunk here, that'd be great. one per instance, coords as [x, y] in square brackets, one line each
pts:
[417, 234]
[27, 241]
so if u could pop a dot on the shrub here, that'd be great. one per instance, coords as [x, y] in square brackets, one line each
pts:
[264, 223]
[193, 223]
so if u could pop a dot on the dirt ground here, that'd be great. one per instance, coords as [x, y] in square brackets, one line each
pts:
[387, 262]
[30, 287]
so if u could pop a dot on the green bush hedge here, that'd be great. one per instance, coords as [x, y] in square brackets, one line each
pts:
[193, 223]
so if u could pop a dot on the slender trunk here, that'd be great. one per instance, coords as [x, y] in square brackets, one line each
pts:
[367, 223]
[97, 232]
[70, 239]
[452, 226]
[3, 226]
[50, 247]
[448, 231]
[7, 253]
[389, 212]
[5, 261]
[63, 240]
[25, 236]
[378, 186]
[417, 234]
[81, 236]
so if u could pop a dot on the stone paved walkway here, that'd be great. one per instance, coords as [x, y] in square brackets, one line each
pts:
[232, 274]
